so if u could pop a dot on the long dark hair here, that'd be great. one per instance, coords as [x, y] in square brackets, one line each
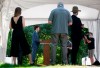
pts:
[17, 11]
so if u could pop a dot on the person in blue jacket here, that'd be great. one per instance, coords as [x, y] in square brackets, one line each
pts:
[35, 42]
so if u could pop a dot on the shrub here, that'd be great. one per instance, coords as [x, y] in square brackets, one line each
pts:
[45, 34]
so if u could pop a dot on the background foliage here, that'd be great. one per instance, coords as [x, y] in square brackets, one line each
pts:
[45, 34]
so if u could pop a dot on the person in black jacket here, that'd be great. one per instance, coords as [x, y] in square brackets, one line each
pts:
[76, 34]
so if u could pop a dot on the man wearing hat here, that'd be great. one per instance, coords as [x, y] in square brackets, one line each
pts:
[60, 18]
[76, 34]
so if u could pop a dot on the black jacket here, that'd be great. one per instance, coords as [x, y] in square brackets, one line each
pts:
[76, 28]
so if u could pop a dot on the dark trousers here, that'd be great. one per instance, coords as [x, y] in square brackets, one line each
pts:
[75, 48]
[34, 52]
[68, 55]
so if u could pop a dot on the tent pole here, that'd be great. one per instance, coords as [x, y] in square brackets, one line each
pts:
[4, 29]
[98, 15]
[98, 38]
[1, 47]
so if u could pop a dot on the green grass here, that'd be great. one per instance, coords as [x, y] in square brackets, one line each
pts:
[16, 66]
[43, 66]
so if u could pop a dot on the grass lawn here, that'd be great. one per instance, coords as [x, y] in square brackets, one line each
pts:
[43, 66]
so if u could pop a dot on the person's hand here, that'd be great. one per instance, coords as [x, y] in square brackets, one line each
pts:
[84, 41]
[69, 48]
[82, 25]
[68, 37]
[70, 23]
[40, 40]
[49, 22]
[85, 37]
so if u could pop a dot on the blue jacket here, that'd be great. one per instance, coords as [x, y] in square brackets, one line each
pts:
[35, 39]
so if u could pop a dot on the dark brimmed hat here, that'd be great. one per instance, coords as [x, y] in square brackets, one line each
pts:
[75, 9]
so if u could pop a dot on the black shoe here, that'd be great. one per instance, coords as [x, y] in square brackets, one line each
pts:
[96, 63]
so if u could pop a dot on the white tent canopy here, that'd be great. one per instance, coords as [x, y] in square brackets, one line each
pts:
[37, 12]
[35, 15]
[31, 3]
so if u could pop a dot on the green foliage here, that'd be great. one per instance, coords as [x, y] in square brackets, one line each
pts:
[59, 55]
[39, 58]
[41, 66]
[28, 34]
[83, 52]
[45, 34]
[85, 31]
[9, 43]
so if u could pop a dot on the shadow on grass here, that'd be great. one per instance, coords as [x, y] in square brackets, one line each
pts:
[14, 66]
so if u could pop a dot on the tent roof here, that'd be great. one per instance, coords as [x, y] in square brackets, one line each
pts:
[38, 12]
[89, 3]
[9, 5]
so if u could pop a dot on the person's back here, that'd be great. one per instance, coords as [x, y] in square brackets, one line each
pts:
[77, 25]
[17, 25]
[19, 44]
[60, 18]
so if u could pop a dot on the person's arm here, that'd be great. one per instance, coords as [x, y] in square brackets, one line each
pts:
[23, 21]
[69, 19]
[88, 41]
[80, 23]
[70, 23]
[84, 41]
[50, 17]
[36, 38]
[10, 26]
[49, 22]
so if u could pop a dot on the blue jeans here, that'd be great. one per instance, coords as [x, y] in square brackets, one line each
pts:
[34, 52]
